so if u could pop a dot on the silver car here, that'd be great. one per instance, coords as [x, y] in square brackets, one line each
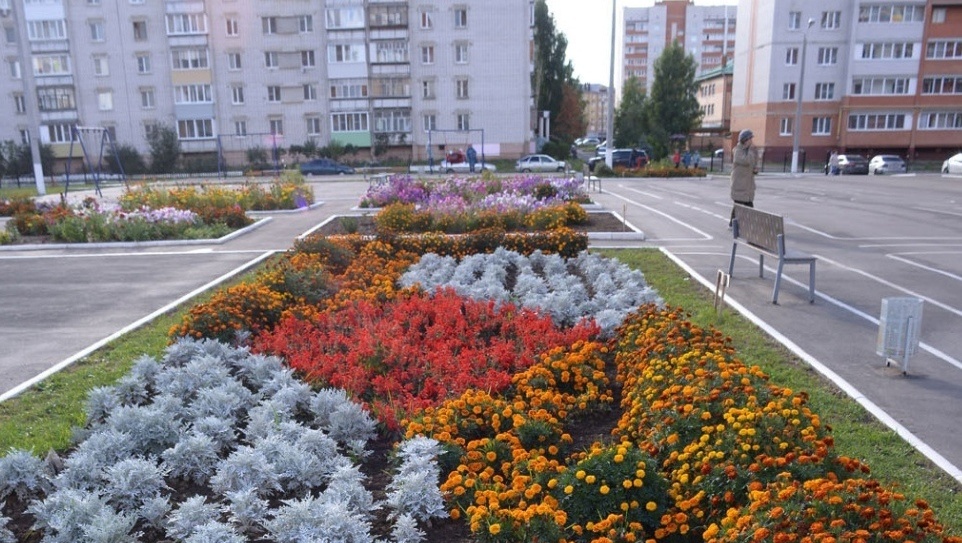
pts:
[539, 163]
[953, 164]
[886, 164]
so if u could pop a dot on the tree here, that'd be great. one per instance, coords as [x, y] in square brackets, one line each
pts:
[631, 117]
[128, 158]
[570, 123]
[164, 149]
[552, 72]
[672, 103]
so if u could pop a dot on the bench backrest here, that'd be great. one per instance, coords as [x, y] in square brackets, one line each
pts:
[758, 228]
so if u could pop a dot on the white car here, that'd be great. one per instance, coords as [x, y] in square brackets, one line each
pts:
[953, 164]
[464, 167]
[886, 164]
[540, 163]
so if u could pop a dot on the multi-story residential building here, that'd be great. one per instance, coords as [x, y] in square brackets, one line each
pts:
[715, 101]
[706, 32]
[596, 109]
[879, 76]
[229, 75]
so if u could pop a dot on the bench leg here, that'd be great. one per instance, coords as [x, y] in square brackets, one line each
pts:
[811, 282]
[761, 266]
[731, 263]
[778, 281]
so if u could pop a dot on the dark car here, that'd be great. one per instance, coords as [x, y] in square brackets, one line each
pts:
[853, 164]
[324, 166]
[625, 158]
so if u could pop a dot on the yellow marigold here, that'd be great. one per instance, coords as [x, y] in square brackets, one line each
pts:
[494, 529]
[590, 479]
[604, 490]
[651, 506]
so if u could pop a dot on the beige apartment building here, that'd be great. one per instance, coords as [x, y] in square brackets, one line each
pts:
[706, 32]
[228, 75]
[879, 76]
[596, 109]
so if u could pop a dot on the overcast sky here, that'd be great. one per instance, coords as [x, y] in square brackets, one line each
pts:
[587, 25]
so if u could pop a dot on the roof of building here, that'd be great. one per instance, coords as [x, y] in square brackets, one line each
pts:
[727, 69]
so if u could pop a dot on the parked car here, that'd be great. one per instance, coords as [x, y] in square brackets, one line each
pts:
[539, 163]
[625, 158]
[853, 164]
[324, 166]
[706, 161]
[953, 164]
[886, 164]
[590, 140]
[465, 167]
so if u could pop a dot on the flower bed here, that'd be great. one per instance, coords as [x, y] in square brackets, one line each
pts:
[457, 194]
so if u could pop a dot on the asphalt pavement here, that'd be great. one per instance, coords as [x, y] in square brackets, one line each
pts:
[874, 237]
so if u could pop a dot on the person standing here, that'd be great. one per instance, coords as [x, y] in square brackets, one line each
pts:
[472, 157]
[744, 169]
[833, 163]
[676, 158]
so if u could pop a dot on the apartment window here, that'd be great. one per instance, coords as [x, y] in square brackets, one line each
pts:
[891, 13]
[240, 128]
[232, 26]
[191, 58]
[310, 92]
[822, 126]
[55, 29]
[345, 53]
[93, 2]
[96, 30]
[349, 122]
[794, 20]
[426, 16]
[464, 121]
[150, 129]
[140, 30]
[461, 86]
[313, 125]
[827, 56]
[20, 104]
[791, 56]
[237, 94]
[147, 99]
[943, 49]
[186, 23]
[305, 24]
[392, 121]
[429, 122]
[392, 87]
[136, 1]
[427, 89]
[785, 126]
[143, 63]
[831, 20]
[824, 91]
[274, 93]
[195, 129]
[391, 51]
[345, 17]
[881, 85]
[193, 94]
[387, 16]
[349, 89]
[938, 15]
[876, 121]
[277, 127]
[53, 65]
[270, 59]
[56, 98]
[460, 17]
[105, 100]
[59, 133]
[10, 34]
[24, 136]
[460, 53]
[788, 91]
[887, 50]
[101, 66]
[427, 54]
[15, 69]
[942, 85]
[234, 61]
[269, 25]
[942, 120]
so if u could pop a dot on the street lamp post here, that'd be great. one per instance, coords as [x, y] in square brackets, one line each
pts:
[610, 134]
[797, 130]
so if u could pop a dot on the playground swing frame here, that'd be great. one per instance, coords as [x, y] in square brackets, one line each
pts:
[77, 134]
[443, 146]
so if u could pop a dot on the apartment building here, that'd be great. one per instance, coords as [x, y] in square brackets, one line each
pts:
[714, 100]
[706, 32]
[596, 109]
[229, 75]
[873, 76]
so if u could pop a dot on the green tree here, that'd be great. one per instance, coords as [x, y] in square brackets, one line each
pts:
[128, 158]
[672, 103]
[164, 149]
[552, 71]
[631, 117]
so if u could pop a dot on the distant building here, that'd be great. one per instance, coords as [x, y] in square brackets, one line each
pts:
[706, 32]
[596, 108]
[228, 75]
[878, 76]
[714, 99]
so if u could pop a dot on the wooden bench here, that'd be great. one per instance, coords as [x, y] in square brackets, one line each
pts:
[765, 233]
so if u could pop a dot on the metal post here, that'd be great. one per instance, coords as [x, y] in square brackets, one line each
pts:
[610, 136]
[796, 132]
